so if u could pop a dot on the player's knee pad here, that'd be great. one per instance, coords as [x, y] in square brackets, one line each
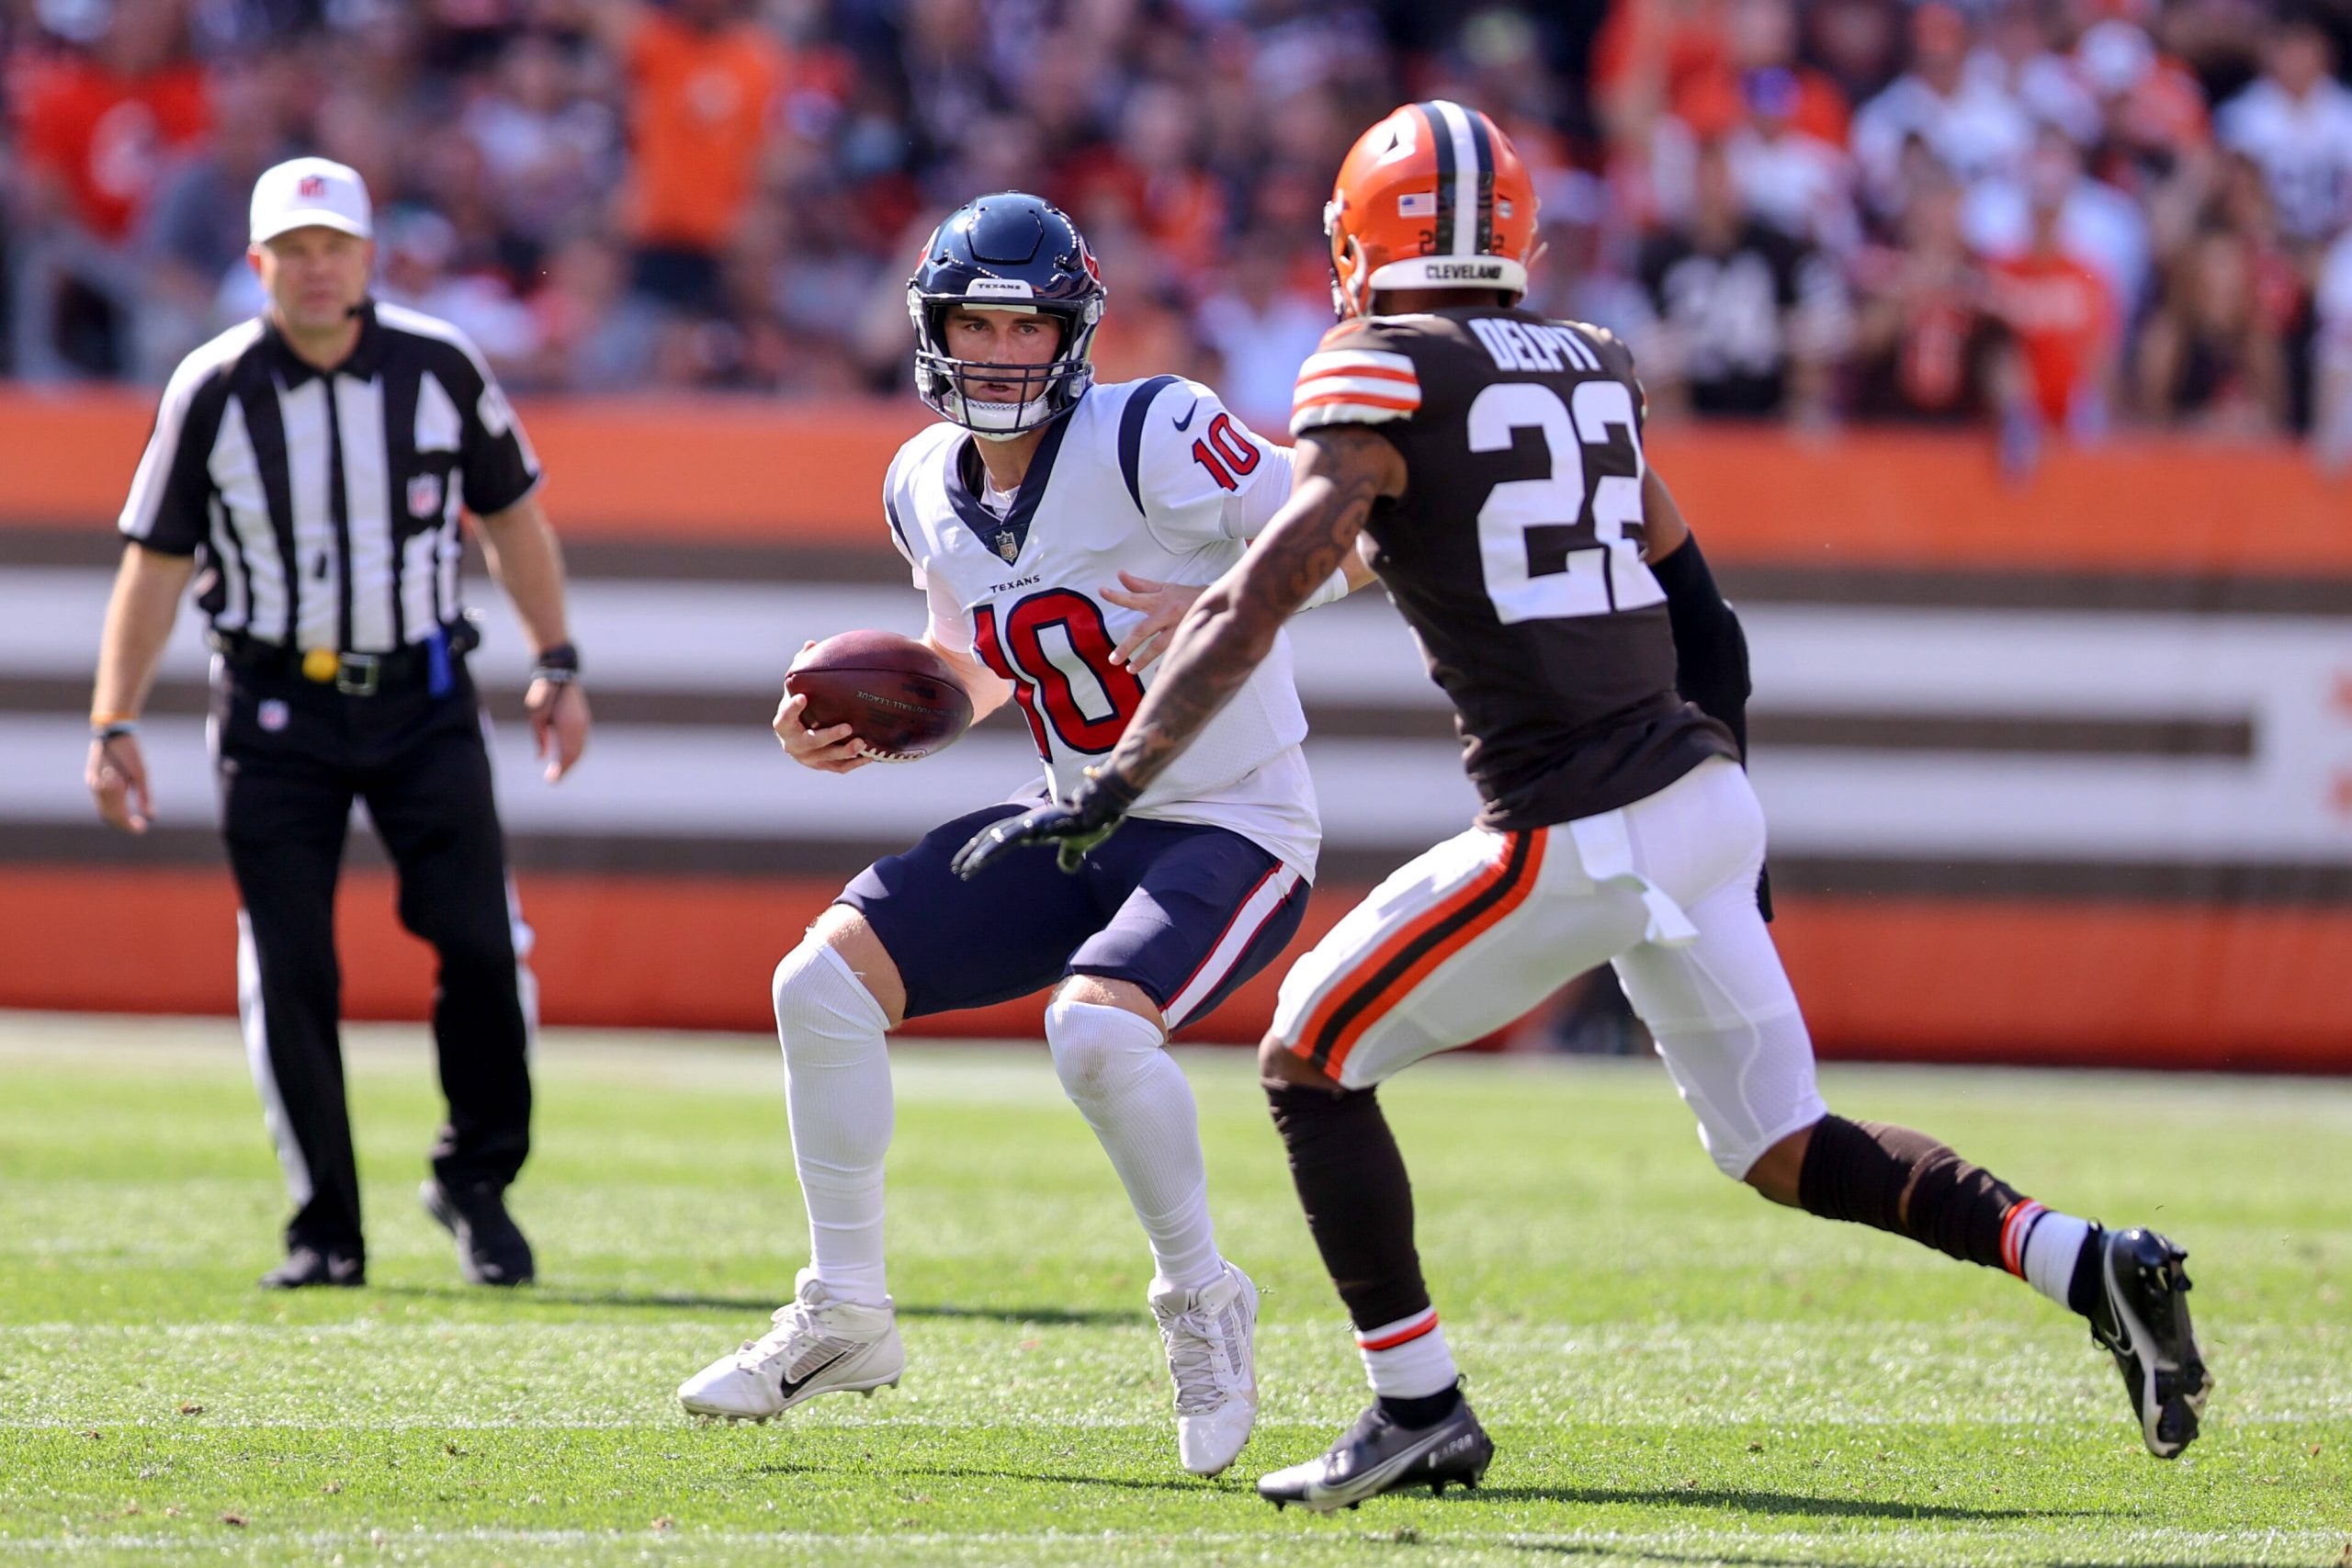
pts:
[1098, 1048]
[1749, 1084]
[823, 1011]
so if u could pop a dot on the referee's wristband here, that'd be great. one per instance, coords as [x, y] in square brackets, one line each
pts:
[558, 666]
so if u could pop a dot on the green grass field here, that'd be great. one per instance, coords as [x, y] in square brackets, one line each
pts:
[1675, 1372]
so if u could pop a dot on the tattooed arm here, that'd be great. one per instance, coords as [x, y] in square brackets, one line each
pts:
[1231, 627]
[1341, 471]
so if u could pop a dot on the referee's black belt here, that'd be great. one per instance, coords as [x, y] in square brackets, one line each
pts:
[352, 674]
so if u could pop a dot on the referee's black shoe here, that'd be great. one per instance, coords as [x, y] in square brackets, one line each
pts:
[307, 1266]
[491, 1250]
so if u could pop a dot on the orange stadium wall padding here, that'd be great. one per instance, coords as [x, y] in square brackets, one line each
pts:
[2082, 984]
[1904, 941]
[739, 470]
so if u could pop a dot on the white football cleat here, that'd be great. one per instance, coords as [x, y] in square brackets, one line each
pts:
[818, 1346]
[1210, 1334]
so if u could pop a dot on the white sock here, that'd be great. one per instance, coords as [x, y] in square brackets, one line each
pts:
[1408, 1358]
[2042, 1245]
[1134, 1097]
[837, 1091]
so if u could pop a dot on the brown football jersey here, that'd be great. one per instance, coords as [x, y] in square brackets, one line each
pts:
[1515, 552]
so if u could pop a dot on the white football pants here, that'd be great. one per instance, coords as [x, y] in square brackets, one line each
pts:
[1481, 928]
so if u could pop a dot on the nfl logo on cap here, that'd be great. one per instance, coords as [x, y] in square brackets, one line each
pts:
[307, 193]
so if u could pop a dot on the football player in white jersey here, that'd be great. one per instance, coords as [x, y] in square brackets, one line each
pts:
[1057, 528]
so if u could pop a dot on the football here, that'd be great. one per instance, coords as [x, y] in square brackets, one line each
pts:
[897, 696]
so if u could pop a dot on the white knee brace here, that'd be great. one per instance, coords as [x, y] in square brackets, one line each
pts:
[823, 1011]
[1098, 1050]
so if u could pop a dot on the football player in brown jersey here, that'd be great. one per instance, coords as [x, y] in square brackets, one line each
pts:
[1492, 462]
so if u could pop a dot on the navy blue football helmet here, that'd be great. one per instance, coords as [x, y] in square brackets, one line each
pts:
[1009, 251]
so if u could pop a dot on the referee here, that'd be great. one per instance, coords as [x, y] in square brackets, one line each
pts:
[309, 468]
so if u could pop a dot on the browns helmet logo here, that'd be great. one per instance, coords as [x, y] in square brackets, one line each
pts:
[1399, 130]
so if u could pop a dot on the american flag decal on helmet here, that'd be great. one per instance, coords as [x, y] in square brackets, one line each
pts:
[312, 186]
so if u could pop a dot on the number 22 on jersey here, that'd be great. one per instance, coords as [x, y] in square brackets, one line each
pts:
[1530, 531]
[1056, 650]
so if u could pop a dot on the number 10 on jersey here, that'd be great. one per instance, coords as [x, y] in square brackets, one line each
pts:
[1056, 650]
[1534, 570]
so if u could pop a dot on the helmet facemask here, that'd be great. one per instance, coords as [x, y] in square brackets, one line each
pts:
[1348, 269]
[1047, 391]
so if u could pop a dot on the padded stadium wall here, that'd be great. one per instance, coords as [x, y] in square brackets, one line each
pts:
[2058, 771]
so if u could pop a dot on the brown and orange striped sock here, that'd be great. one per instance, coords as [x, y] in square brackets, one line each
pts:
[1905, 1181]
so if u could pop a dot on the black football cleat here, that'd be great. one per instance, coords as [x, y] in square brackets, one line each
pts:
[1377, 1455]
[2141, 1319]
[491, 1249]
[307, 1266]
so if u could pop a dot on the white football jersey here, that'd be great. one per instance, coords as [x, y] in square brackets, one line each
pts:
[1153, 477]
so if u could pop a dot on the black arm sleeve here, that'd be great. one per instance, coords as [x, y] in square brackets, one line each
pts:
[1710, 650]
[1710, 654]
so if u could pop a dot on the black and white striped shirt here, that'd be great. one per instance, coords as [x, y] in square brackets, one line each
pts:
[325, 504]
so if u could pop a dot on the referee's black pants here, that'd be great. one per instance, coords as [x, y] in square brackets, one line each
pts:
[291, 755]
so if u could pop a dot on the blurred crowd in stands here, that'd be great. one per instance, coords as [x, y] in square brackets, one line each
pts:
[2049, 218]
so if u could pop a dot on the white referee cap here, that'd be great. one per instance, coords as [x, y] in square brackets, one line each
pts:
[305, 191]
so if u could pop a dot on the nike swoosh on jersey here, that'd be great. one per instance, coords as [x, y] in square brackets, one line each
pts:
[1186, 422]
[793, 1386]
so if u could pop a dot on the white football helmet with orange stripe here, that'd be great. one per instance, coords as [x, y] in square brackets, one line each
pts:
[1433, 196]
